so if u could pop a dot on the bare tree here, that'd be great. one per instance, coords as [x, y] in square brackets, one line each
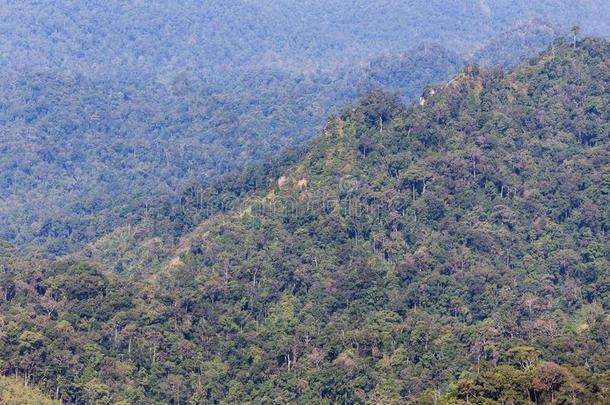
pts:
[575, 33]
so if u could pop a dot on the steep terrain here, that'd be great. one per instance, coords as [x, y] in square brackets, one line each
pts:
[107, 108]
[80, 157]
[451, 251]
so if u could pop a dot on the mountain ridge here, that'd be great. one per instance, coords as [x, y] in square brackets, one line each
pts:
[97, 124]
[450, 251]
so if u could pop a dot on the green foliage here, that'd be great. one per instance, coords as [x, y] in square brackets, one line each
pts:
[108, 108]
[540, 383]
[13, 392]
[458, 253]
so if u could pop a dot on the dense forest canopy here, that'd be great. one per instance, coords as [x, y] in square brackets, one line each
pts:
[450, 251]
[100, 38]
[279, 201]
[107, 108]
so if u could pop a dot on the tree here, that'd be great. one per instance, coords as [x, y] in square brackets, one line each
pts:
[550, 377]
[575, 33]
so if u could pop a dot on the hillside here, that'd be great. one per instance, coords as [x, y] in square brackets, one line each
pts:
[81, 157]
[107, 108]
[514, 46]
[158, 38]
[451, 251]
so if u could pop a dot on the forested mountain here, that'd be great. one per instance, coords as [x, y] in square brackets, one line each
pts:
[450, 251]
[102, 38]
[514, 46]
[79, 156]
[107, 108]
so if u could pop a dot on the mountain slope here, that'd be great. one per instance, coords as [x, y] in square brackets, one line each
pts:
[81, 157]
[454, 250]
[517, 44]
[463, 229]
[106, 108]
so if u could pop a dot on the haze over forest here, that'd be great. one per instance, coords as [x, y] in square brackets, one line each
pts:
[107, 107]
[309, 202]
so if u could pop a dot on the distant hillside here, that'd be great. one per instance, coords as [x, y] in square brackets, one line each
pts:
[450, 251]
[159, 37]
[517, 44]
[80, 157]
[107, 108]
